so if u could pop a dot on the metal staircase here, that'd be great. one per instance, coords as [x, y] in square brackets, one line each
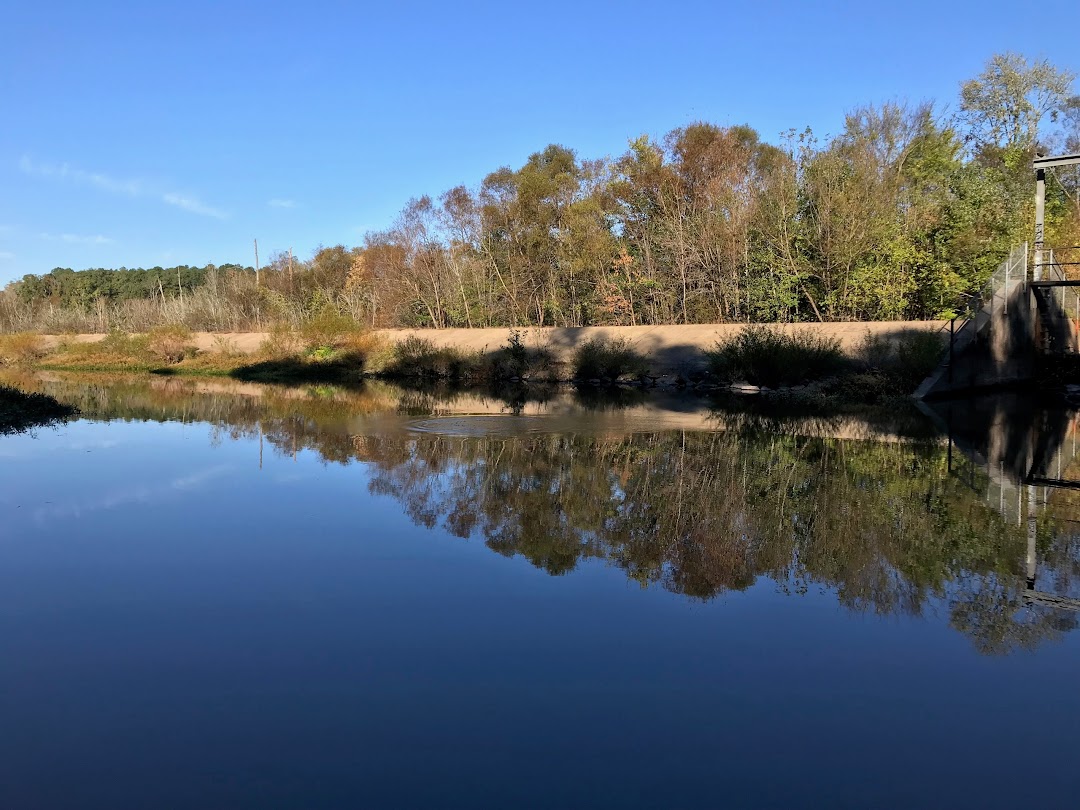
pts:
[992, 300]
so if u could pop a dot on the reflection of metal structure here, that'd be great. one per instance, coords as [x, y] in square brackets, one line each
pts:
[1015, 457]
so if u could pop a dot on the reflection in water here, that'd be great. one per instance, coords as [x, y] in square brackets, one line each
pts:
[1026, 455]
[696, 502]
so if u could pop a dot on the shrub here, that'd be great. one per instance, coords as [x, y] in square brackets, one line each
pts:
[917, 355]
[170, 343]
[772, 357]
[419, 357]
[414, 351]
[608, 360]
[328, 330]
[517, 356]
[281, 341]
[225, 346]
[907, 360]
[875, 352]
[516, 360]
[116, 342]
[21, 348]
[115, 348]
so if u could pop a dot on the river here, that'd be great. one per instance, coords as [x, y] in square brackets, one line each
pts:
[223, 595]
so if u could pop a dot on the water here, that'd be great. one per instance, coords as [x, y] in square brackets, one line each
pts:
[215, 595]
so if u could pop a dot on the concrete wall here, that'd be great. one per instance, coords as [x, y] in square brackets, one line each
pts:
[671, 349]
[1021, 324]
[1003, 352]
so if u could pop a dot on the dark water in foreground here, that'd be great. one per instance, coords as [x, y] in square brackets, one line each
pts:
[225, 596]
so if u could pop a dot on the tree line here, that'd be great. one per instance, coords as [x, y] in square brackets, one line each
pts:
[84, 288]
[903, 215]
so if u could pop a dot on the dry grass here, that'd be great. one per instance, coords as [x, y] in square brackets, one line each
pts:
[22, 348]
[171, 343]
[281, 341]
[334, 351]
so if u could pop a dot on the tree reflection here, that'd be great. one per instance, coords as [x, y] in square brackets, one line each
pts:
[882, 524]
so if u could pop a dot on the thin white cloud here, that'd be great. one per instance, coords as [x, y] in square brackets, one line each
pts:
[279, 203]
[139, 493]
[135, 187]
[77, 239]
[64, 171]
[6, 255]
[193, 204]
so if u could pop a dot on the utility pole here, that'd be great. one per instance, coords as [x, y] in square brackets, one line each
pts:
[256, 262]
[290, 270]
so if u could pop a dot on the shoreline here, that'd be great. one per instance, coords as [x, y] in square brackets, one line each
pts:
[511, 363]
[669, 349]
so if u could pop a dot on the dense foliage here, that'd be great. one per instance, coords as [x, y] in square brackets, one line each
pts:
[902, 215]
[69, 288]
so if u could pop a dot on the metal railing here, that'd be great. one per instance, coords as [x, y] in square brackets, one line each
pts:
[978, 314]
[1068, 298]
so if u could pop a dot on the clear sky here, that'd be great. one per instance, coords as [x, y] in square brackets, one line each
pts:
[136, 134]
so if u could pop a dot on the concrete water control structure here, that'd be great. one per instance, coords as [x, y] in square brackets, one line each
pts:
[1041, 164]
[1027, 309]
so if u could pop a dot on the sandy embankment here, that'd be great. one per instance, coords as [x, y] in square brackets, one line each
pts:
[669, 348]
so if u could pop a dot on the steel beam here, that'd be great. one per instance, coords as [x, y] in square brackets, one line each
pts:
[1053, 162]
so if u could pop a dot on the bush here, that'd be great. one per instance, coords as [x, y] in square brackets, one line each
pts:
[516, 360]
[281, 341]
[771, 357]
[608, 360]
[516, 354]
[875, 352]
[115, 349]
[918, 354]
[170, 343]
[419, 357]
[328, 330]
[225, 347]
[116, 342]
[907, 360]
[415, 352]
[21, 348]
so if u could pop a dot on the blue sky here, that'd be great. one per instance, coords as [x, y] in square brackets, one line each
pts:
[144, 133]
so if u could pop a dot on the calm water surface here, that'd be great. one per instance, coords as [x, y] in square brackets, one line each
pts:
[216, 595]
